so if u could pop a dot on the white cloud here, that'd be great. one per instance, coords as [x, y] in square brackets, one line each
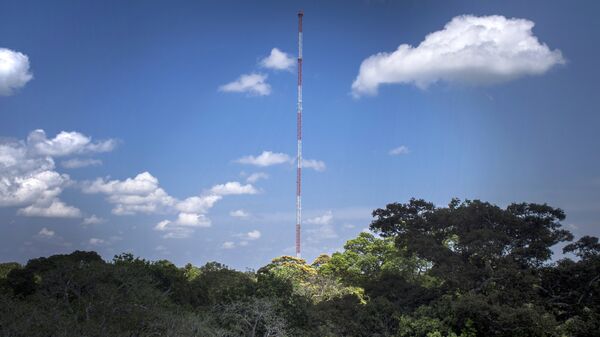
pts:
[14, 71]
[140, 194]
[173, 229]
[254, 177]
[143, 194]
[266, 158]
[96, 242]
[198, 204]
[143, 183]
[28, 177]
[191, 211]
[79, 163]
[162, 226]
[30, 187]
[46, 233]
[245, 237]
[54, 209]
[67, 143]
[399, 151]
[233, 188]
[193, 220]
[25, 177]
[278, 60]
[240, 213]
[470, 49]
[93, 220]
[228, 245]
[324, 219]
[254, 84]
[314, 164]
[49, 236]
[253, 235]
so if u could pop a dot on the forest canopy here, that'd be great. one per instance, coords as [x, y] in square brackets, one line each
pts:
[468, 269]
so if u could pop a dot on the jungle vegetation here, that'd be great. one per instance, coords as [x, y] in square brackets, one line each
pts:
[468, 269]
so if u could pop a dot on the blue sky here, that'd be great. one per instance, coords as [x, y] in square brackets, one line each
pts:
[144, 89]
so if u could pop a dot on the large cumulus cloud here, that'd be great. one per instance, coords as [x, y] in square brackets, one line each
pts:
[14, 71]
[470, 49]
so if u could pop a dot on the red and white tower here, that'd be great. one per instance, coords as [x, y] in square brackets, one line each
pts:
[299, 138]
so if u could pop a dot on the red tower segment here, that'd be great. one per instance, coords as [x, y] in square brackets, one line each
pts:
[299, 139]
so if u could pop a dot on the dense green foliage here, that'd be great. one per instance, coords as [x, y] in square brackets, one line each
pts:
[469, 269]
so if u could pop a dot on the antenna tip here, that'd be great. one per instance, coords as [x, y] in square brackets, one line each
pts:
[300, 12]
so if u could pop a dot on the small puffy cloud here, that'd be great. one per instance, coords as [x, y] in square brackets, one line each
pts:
[142, 183]
[140, 194]
[254, 177]
[79, 163]
[250, 236]
[93, 220]
[96, 242]
[400, 150]
[278, 60]
[162, 226]
[233, 188]
[67, 143]
[14, 71]
[253, 235]
[254, 84]
[228, 245]
[470, 49]
[240, 213]
[314, 164]
[198, 204]
[324, 219]
[55, 209]
[192, 220]
[45, 233]
[266, 158]
[48, 236]
[173, 230]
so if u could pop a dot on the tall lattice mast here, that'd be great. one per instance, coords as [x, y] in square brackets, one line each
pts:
[299, 138]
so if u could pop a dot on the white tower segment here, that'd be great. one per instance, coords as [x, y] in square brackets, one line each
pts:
[299, 139]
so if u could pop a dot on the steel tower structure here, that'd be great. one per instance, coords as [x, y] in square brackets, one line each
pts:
[299, 140]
